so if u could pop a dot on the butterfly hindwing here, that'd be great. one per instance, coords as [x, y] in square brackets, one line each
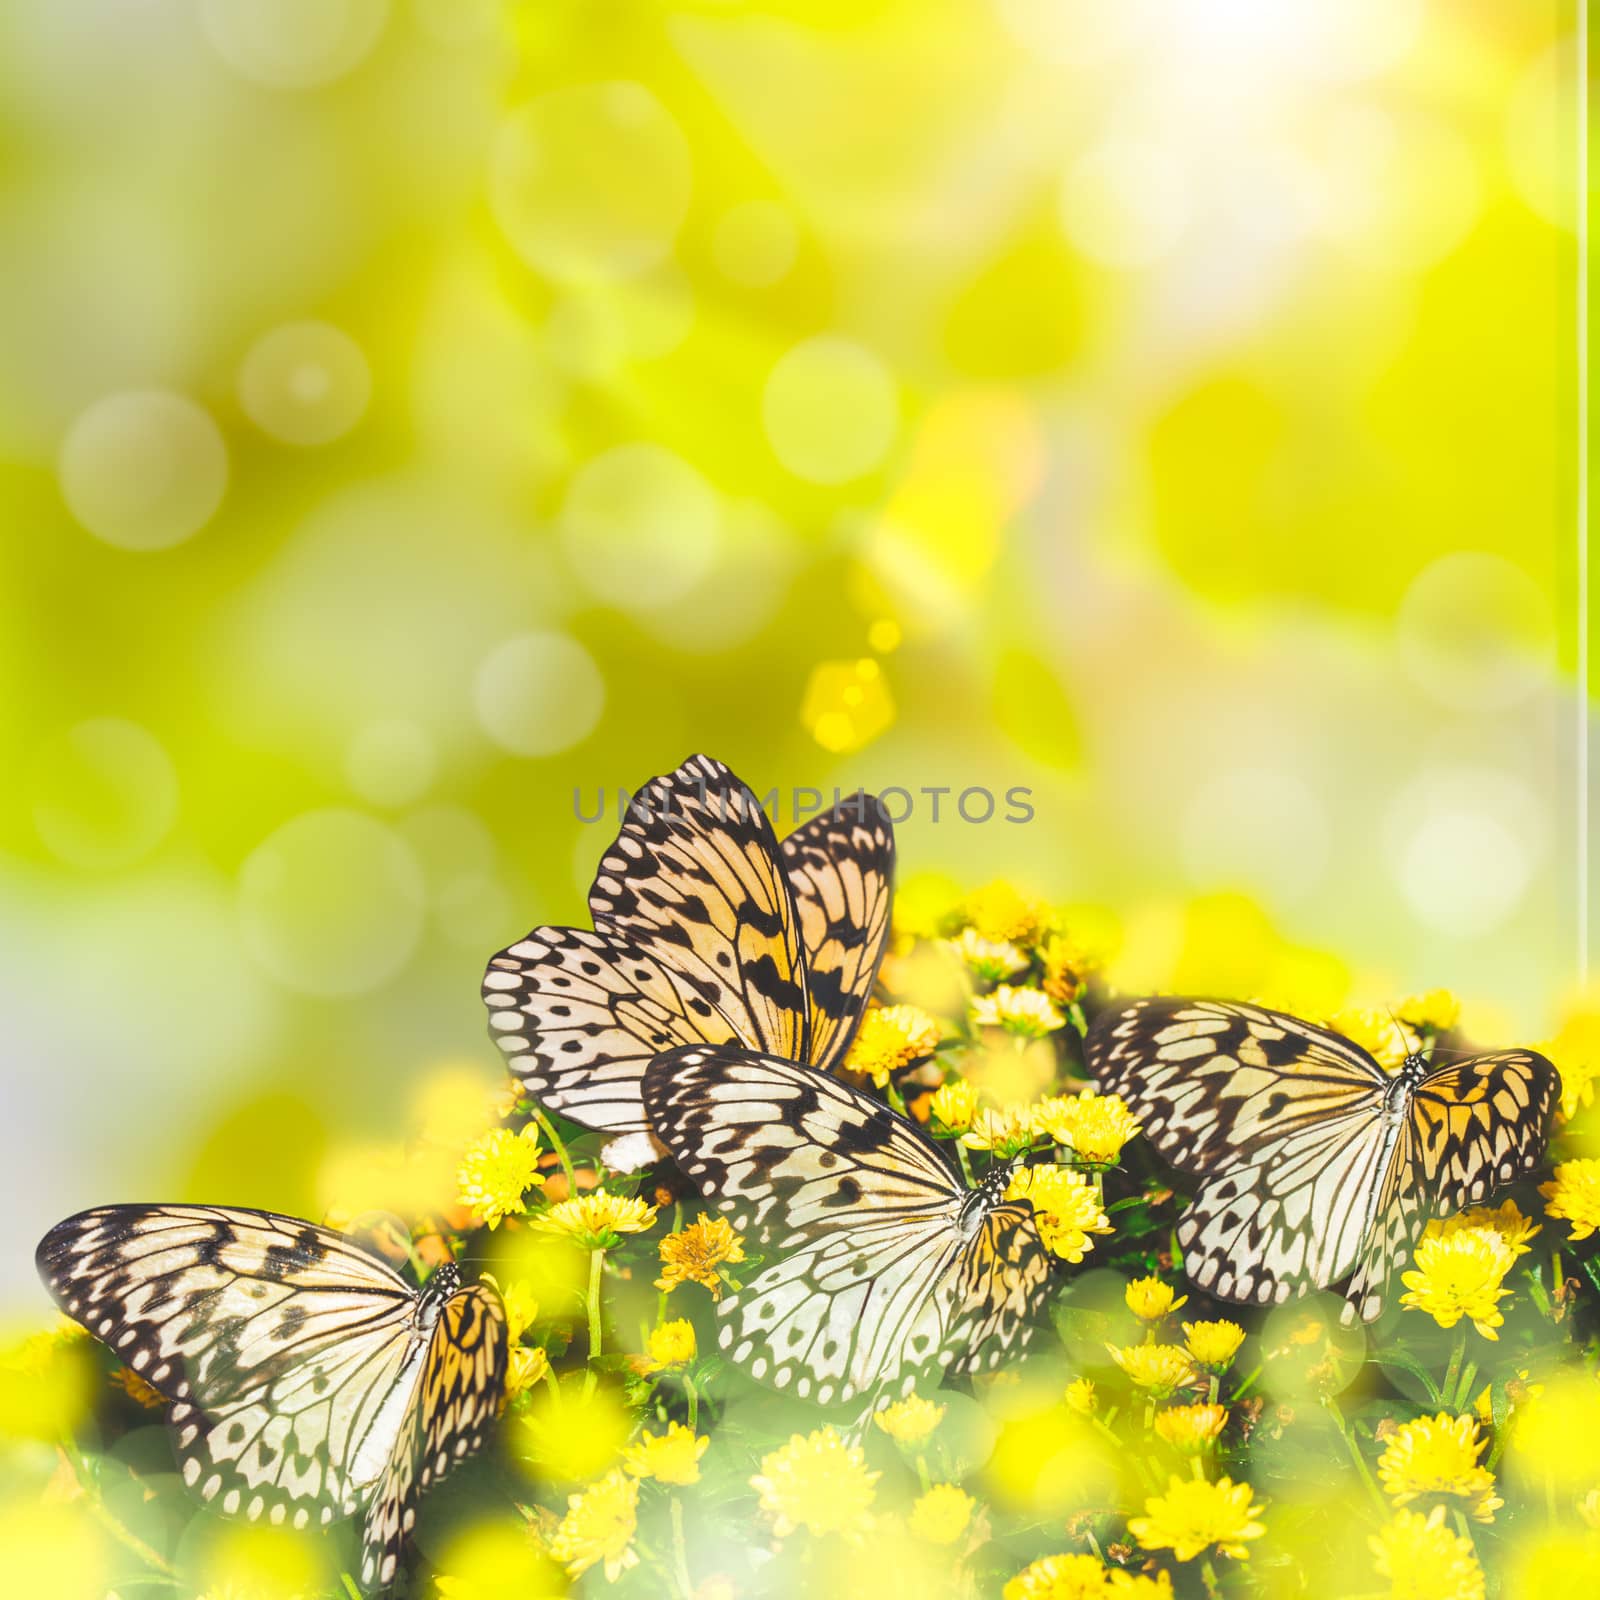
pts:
[1481, 1122]
[455, 1399]
[840, 867]
[884, 1260]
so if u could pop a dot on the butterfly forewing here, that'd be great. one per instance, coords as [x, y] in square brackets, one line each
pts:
[695, 877]
[875, 1273]
[841, 869]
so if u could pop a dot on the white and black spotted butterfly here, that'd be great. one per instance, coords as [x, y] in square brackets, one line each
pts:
[706, 930]
[1315, 1163]
[308, 1381]
[883, 1263]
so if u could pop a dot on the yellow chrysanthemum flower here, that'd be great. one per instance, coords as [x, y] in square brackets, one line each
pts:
[1006, 1132]
[1075, 1577]
[1385, 1039]
[989, 959]
[1213, 1344]
[496, 1171]
[1460, 1275]
[954, 1105]
[1160, 1368]
[1437, 1009]
[599, 1527]
[1093, 1126]
[1505, 1219]
[1425, 1560]
[911, 1420]
[526, 1365]
[1574, 1195]
[1079, 1396]
[1575, 1050]
[522, 1309]
[597, 1220]
[1439, 1456]
[670, 1457]
[818, 1482]
[1001, 911]
[132, 1385]
[1149, 1299]
[1066, 1208]
[1194, 1516]
[892, 1038]
[1023, 1012]
[942, 1515]
[672, 1345]
[1191, 1428]
[1067, 966]
[693, 1254]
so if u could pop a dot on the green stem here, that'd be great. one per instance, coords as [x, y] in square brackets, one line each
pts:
[547, 1127]
[693, 1396]
[1453, 1371]
[680, 1550]
[966, 1163]
[350, 1587]
[102, 1514]
[596, 1265]
[1208, 1573]
[1362, 1470]
[1464, 1389]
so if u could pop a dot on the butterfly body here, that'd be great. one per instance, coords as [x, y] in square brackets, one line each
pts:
[882, 1264]
[1315, 1164]
[308, 1381]
[707, 930]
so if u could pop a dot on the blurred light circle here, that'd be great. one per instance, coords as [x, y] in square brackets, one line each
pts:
[450, 843]
[1475, 632]
[1125, 204]
[105, 794]
[756, 243]
[1538, 149]
[830, 410]
[305, 383]
[1463, 872]
[1256, 829]
[331, 904]
[639, 526]
[475, 912]
[591, 181]
[538, 694]
[390, 763]
[293, 44]
[143, 470]
[596, 328]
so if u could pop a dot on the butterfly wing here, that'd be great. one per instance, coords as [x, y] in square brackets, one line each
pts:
[1218, 1084]
[1481, 1122]
[841, 871]
[457, 1395]
[1282, 1119]
[696, 940]
[279, 1343]
[885, 1261]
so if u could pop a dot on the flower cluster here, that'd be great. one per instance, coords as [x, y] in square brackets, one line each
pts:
[1145, 1443]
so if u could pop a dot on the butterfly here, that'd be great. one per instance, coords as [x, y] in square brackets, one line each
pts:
[307, 1381]
[1315, 1163]
[706, 930]
[883, 1259]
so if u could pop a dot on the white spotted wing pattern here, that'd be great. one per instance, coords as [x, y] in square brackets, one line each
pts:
[307, 1380]
[882, 1263]
[1316, 1164]
[706, 931]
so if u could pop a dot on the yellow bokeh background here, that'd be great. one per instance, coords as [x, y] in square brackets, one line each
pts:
[422, 418]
